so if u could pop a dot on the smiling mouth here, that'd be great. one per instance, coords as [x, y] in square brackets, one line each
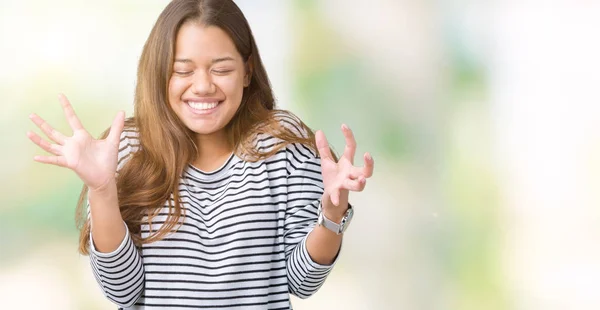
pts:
[203, 107]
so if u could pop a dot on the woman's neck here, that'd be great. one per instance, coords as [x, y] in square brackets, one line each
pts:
[213, 151]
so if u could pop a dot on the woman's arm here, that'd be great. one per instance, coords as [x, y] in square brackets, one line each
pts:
[108, 230]
[323, 245]
[116, 263]
[339, 178]
[304, 191]
[115, 260]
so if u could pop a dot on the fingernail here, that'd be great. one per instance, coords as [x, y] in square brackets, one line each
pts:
[368, 156]
[344, 127]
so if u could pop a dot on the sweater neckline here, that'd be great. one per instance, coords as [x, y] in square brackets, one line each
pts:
[197, 173]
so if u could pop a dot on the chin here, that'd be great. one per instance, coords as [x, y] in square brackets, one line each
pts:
[204, 129]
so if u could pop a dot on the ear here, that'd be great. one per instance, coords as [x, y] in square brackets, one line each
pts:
[249, 70]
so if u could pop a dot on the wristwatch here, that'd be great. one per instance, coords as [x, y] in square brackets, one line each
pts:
[331, 225]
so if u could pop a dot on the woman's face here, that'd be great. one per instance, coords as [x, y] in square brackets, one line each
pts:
[207, 84]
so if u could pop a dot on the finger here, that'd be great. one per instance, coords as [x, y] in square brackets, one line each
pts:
[366, 171]
[52, 160]
[50, 132]
[369, 165]
[335, 197]
[50, 148]
[70, 113]
[117, 128]
[355, 185]
[323, 145]
[350, 148]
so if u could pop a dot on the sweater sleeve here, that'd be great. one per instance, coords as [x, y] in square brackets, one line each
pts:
[120, 273]
[305, 188]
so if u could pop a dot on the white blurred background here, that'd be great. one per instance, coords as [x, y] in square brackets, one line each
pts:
[483, 118]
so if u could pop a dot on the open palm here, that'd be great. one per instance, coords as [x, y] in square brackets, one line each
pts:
[93, 160]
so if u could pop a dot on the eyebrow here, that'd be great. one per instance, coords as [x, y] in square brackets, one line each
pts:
[214, 61]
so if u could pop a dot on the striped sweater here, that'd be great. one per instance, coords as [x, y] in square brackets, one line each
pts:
[242, 244]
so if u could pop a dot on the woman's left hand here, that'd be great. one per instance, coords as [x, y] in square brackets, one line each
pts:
[341, 177]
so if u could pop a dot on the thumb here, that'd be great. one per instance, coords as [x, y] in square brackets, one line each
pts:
[116, 128]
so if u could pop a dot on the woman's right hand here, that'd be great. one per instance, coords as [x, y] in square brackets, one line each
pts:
[94, 161]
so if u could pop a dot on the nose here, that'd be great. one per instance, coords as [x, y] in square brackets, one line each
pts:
[203, 84]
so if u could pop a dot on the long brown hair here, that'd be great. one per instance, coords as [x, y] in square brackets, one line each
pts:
[152, 174]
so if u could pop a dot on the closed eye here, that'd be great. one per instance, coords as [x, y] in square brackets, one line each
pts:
[222, 71]
[183, 72]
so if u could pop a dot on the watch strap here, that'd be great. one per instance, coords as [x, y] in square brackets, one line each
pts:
[337, 228]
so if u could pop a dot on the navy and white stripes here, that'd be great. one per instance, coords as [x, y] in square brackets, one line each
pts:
[242, 244]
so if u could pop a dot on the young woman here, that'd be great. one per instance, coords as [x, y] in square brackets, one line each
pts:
[208, 197]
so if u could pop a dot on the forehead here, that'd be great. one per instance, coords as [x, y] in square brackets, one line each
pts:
[199, 43]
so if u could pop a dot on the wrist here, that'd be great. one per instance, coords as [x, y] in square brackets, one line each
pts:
[333, 212]
[109, 187]
[335, 215]
[333, 222]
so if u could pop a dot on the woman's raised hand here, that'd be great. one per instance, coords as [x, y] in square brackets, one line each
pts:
[341, 177]
[93, 160]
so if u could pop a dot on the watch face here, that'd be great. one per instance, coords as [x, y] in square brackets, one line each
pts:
[346, 220]
[349, 215]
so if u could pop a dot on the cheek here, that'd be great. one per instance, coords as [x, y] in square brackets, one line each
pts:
[233, 86]
[176, 87]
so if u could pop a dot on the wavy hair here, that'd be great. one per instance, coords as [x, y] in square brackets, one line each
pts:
[151, 176]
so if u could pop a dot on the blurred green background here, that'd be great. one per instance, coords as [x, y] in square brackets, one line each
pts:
[481, 116]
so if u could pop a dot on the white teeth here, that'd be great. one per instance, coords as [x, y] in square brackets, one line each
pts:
[202, 105]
